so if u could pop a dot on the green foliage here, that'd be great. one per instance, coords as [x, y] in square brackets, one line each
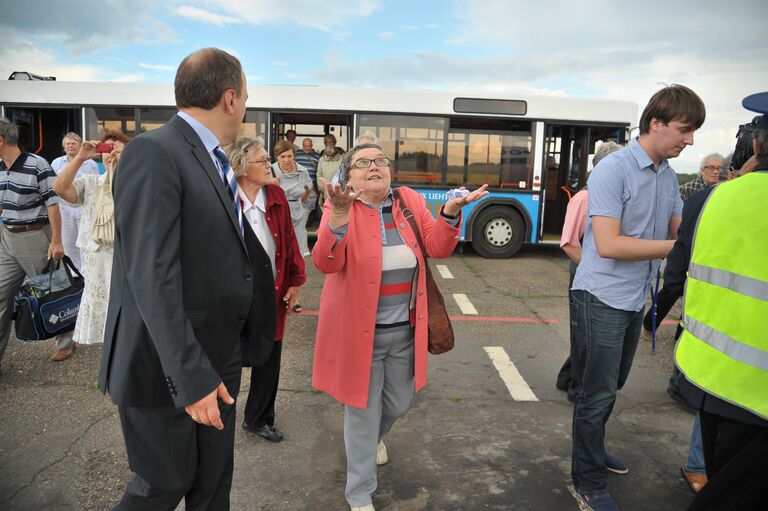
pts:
[684, 178]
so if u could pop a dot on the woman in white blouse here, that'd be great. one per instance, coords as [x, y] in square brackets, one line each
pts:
[96, 232]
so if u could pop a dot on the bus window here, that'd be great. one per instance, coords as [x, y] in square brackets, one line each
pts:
[255, 125]
[153, 118]
[493, 151]
[415, 143]
[100, 119]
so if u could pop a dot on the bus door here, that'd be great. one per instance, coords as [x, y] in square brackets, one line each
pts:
[312, 126]
[566, 155]
[41, 129]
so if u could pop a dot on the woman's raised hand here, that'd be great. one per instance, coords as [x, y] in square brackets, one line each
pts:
[341, 200]
[453, 206]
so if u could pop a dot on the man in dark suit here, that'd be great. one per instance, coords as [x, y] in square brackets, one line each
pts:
[186, 283]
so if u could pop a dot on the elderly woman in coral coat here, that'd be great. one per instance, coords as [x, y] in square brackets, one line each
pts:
[371, 345]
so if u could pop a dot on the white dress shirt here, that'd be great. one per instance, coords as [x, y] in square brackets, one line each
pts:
[256, 216]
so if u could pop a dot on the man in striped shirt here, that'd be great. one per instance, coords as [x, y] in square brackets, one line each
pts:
[32, 234]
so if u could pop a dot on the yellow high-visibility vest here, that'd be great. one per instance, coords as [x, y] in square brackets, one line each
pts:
[724, 347]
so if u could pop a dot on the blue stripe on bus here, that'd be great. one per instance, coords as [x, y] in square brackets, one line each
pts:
[530, 201]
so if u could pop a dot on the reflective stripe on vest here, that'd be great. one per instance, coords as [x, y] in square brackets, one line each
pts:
[724, 347]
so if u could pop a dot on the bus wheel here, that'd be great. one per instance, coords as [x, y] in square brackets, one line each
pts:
[498, 232]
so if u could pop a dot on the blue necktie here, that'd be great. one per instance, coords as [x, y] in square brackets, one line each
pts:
[228, 176]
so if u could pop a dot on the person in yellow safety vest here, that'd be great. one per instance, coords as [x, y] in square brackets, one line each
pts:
[723, 351]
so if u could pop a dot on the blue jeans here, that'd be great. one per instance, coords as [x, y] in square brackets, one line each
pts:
[603, 346]
[695, 463]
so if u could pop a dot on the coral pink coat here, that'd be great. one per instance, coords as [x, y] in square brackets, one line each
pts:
[348, 303]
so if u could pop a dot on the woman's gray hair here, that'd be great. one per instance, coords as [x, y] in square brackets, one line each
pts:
[74, 136]
[346, 160]
[237, 153]
[604, 150]
[9, 132]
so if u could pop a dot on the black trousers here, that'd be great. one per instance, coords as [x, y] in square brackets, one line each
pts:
[173, 457]
[736, 455]
[567, 377]
[260, 406]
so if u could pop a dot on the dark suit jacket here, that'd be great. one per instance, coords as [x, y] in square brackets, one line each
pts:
[182, 281]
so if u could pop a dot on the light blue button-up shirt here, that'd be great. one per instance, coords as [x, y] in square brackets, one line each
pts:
[625, 185]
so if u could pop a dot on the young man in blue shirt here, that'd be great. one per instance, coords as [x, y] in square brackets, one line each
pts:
[634, 213]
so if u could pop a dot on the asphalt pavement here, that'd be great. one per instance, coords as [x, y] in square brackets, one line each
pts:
[470, 442]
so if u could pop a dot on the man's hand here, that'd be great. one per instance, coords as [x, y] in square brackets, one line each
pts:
[206, 411]
[55, 250]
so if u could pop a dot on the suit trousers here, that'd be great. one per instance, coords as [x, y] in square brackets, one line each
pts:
[390, 394]
[260, 405]
[21, 253]
[173, 457]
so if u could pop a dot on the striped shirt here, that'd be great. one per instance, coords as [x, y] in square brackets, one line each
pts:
[309, 161]
[398, 273]
[26, 190]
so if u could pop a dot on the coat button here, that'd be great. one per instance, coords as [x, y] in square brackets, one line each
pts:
[421, 316]
[402, 225]
[248, 276]
[414, 244]
[421, 292]
[276, 288]
[331, 257]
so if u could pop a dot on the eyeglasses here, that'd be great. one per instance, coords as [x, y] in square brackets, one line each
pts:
[364, 163]
[711, 167]
[266, 161]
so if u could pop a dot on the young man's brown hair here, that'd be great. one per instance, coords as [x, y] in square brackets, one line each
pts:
[674, 103]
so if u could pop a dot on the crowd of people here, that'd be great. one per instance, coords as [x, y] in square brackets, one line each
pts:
[225, 230]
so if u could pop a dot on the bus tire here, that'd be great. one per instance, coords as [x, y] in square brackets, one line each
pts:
[498, 232]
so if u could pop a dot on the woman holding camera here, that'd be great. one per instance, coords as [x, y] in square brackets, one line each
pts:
[97, 229]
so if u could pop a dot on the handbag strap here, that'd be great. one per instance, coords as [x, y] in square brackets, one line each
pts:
[408, 214]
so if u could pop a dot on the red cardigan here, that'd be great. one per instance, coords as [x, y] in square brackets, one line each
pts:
[288, 259]
[348, 303]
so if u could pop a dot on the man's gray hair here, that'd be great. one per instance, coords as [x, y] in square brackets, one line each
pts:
[604, 150]
[72, 135]
[367, 137]
[238, 153]
[9, 132]
[714, 156]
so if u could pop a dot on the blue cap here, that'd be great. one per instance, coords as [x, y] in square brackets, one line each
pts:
[758, 103]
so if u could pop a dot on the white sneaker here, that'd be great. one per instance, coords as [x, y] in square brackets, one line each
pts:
[381, 453]
[369, 507]
[306, 254]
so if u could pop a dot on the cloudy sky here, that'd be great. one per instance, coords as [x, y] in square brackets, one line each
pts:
[583, 48]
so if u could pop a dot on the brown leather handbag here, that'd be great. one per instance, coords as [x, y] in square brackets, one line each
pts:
[440, 330]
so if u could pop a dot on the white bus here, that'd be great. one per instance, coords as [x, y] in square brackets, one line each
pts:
[533, 151]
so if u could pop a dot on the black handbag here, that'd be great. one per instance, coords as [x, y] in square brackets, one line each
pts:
[47, 304]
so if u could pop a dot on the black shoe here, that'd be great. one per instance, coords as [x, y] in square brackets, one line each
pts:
[271, 433]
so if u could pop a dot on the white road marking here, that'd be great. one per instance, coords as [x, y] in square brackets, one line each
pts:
[464, 304]
[518, 389]
[444, 271]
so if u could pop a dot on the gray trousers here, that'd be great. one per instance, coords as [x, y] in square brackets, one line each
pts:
[21, 254]
[389, 398]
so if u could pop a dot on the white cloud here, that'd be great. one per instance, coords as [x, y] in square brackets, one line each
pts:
[386, 35]
[157, 67]
[328, 16]
[90, 26]
[23, 56]
[204, 16]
